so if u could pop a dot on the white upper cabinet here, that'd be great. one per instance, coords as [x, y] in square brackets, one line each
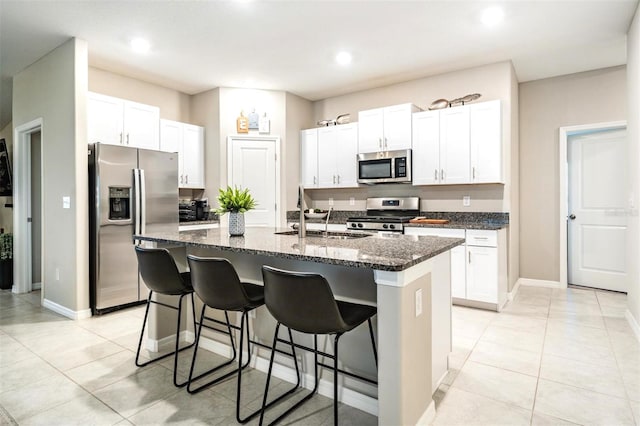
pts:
[337, 153]
[309, 158]
[454, 145]
[188, 141]
[486, 142]
[385, 129]
[120, 122]
[458, 145]
[426, 148]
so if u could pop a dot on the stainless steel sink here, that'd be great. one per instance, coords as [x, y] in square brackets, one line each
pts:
[330, 235]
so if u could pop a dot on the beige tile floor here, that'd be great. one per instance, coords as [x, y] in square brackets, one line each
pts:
[550, 358]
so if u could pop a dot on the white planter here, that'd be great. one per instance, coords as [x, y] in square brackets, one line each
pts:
[236, 224]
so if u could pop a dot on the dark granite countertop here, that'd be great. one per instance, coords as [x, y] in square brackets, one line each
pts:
[489, 226]
[199, 222]
[381, 252]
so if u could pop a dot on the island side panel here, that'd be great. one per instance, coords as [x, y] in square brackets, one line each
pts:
[405, 357]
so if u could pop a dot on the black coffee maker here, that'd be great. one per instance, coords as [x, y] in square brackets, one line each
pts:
[202, 209]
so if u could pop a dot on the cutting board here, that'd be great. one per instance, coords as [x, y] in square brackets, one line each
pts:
[430, 221]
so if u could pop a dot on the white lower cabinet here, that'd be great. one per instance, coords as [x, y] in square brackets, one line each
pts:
[478, 267]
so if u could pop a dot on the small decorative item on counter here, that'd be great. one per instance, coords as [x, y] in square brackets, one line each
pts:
[264, 125]
[235, 202]
[242, 123]
[254, 119]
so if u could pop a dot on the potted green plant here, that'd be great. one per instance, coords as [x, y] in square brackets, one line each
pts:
[236, 202]
[6, 261]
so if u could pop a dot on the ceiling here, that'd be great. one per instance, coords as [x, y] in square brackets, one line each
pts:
[291, 45]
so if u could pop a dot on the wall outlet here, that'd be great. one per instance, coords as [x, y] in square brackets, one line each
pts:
[331, 201]
[466, 201]
[352, 201]
[418, 302]
[66, 202]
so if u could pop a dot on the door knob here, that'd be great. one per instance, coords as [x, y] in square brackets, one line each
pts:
[572, 216]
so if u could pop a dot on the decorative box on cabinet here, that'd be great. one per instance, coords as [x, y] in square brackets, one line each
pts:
[188, 141]
[121, 122]
[385, 129]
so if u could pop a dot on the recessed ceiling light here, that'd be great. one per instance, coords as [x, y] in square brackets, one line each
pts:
[140, 45]
[492, 16]
[343, 58]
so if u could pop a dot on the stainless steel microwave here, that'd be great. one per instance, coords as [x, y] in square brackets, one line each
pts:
[385, 167]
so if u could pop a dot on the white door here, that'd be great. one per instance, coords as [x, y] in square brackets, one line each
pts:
[597, 225]
[193, 156]
[253, 166]
[482, 274]
[327, 153]
[309, 158]
[346, 148]
[141, 125]
[104, 119]
[426, 148]
[486, 142]
[397, 127]
[371, 130]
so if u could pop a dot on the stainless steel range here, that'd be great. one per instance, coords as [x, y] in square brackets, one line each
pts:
[386, 214]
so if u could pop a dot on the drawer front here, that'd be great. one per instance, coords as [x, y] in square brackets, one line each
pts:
[435, 232]
[478, 237]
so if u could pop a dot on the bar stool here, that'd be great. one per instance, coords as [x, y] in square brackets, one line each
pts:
[304, 302]
[160, 274]
[217, 284]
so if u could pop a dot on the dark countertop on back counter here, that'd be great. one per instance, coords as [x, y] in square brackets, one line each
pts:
[458, 220]
[381, 252]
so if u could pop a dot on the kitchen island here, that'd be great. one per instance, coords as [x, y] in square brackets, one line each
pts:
[406, 277]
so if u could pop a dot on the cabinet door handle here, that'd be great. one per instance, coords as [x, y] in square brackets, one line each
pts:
[334, 179]
[442, 175]
[385, 143]
[181, 179]
[380, 143]
[121, 141]
[435, 176]
[314, 180]
[473, 173]
[338, 179]
[127, 138]
[186, 178]
[469, 257]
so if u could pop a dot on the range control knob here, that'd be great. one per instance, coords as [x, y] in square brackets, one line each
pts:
[353, 225]
[392, 226]
[359, 225]
[385, 226]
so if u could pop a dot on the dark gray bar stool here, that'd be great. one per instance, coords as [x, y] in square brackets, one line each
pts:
[160, 273]
[217, 284]
[304, 302]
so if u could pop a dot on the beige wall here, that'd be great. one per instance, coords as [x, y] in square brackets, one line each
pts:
[6, 214]
[299, 115]
[514, 186]
[55, 89]
[633, 122]
[205, 109]
[173, 105]
[545, 106]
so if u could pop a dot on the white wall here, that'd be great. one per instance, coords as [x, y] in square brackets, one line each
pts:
[55, 89]
[633, 132]
[6, 214]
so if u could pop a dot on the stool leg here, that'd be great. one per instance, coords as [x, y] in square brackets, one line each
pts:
[266, 387]
[206, 373]
[373, 342]
[144, 324]
[178, 350]
[335, 379]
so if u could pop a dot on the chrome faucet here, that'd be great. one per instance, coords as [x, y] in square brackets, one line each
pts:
[326, 223]
[302, 228]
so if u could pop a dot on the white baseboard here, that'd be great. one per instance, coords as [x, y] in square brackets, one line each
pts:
[633, 323]
[64, 311]
[428, 416]
[168, 342]
[345, 395]
[537, 283]
[514, 291]
[36, 286]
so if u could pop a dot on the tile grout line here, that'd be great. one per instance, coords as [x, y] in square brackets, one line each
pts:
[535, 394]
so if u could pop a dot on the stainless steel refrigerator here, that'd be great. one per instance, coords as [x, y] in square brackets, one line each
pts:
[131, 191]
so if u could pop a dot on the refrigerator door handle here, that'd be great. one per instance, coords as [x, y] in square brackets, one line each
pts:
[143, 202]
[136, 201]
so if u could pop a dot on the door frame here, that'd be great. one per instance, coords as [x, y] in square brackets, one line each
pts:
[262, 138]
[564, 134]
[22, 206]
